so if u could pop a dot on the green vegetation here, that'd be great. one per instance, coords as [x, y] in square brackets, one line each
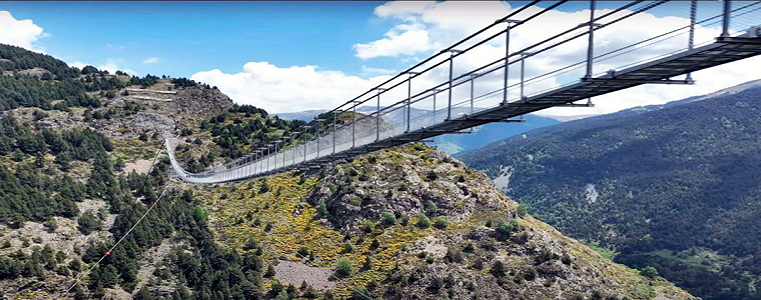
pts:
[344, 267]
[246, 127]
[649, 182]
[423, 221]
[441, 222]
[649, 272]
[604, 252]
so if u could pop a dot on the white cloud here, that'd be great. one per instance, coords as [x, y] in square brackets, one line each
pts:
[290, 89]
[111, 65]
[151, 60]
[370, 70]
[22, 33]
[403, 39]
[424, 27]
[443, 23]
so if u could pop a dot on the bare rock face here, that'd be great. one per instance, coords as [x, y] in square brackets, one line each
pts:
[407, 185]
[199, 102]
[484, 250]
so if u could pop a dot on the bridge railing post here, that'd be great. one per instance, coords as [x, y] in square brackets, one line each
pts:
[409, 98]
[269, 156]
[452, 53]
[276, 151]
[434, 106]
[306, 130]
[285, 139]
[377, 115]
[524, 55]
[472, 84]
[335, 114]
[353, 124]
[591, 42]
[507, 55]
[293, 150]
[691, 38]
[726, 17]
[319, 126]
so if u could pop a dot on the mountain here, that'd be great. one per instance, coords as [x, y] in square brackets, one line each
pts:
[90, 210]
[671, 186]
[450, 143]
[488, 133]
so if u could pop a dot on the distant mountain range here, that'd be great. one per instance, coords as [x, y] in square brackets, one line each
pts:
[674, 186]
[451, 143]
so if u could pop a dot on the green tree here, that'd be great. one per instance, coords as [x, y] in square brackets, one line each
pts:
[441, 222]
[344, 267]
[423, 221]
[649, 272]
[88, 222]
[522, 210]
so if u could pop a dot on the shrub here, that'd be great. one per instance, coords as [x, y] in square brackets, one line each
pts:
[359, 293]
[498, 269]
[529, 274]
[649, 272]
[432, 176]
[423, 221]
[344, 267]
[88, 223]
[522, 210]
[348, 248]
[264, 188]
[441, 222]
[468, 248]
[505, 229]
[431, 206]
[453, 255]
[388, 218]
[367, 264]
[368, 226]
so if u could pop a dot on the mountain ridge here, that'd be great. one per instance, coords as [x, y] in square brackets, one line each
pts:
[668, 186]
[86, 168]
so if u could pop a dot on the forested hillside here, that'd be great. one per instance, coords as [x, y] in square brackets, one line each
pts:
[674, 187]
[88, 203]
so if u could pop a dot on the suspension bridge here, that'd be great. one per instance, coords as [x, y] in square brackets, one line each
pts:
[714, 33]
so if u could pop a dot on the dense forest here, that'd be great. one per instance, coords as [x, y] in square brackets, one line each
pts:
[82, 196]
[674, 187]
[34, 190]
[37, 190]
[55, 85]
[246, 127]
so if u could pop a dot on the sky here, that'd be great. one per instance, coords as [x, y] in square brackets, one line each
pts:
[295, 56]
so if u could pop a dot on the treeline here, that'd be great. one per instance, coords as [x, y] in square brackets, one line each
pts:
[34, 191]
[30, 194]
[62, 86]
[250, 126]
[24, 91]
[675, 178]
[13, 58]
[209, 271]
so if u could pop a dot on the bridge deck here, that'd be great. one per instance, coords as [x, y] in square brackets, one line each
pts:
[724, 50]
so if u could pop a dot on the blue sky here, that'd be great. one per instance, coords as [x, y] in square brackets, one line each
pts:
[235, 44]
[188, 37]
[191, 36]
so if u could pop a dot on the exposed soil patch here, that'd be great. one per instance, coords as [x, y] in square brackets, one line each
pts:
[141, 166]
[295, 273]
